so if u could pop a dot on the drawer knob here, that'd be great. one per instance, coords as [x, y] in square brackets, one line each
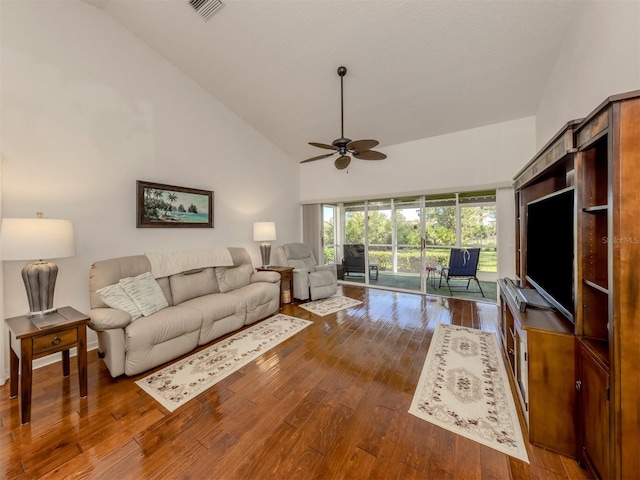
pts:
[56, 341]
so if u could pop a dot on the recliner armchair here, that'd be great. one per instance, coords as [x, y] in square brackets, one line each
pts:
[310, 281]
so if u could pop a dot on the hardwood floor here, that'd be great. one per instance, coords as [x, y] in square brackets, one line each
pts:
[331, 402]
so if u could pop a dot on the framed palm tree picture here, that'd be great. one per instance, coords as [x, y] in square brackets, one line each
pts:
[168, 206]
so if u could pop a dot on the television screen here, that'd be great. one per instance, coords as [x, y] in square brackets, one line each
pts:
[550, 249]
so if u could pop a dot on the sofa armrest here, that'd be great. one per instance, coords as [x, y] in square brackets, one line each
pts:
[300, 278]
[271, 277]
[108, 319]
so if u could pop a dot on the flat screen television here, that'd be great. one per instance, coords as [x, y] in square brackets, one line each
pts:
[550, 249]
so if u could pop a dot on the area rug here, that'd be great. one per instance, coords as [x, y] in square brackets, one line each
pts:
[329, 305]
[464, 388]
[182, 381]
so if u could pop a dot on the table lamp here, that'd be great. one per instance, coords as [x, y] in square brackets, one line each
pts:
[264, 232]
[33, 239]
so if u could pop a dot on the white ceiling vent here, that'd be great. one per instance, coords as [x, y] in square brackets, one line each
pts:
[206, 8]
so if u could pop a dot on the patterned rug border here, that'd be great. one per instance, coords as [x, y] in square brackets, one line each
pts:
[177, 395]
[433, 355]
[325, 306]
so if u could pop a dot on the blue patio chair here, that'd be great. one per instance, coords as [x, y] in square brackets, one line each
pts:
[463, 265]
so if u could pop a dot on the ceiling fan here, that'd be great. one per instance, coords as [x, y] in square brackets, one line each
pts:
[343, 146]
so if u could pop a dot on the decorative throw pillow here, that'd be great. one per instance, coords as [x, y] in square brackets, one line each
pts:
[116, 297]
[145, 293]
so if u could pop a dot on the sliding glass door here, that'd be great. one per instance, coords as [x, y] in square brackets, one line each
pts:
[379, 239]
[408, 244]
[399, 242]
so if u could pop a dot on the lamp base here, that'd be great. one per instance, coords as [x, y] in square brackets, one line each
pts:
[40, 281]
[265, 251]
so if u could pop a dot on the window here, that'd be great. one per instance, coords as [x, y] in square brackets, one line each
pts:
[478, 226]
[440, 222]
[354, 223]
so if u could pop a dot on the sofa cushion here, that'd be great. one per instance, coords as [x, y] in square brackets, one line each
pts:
[232, 278]
[188, 285]
[261, 300]
[115, 297]
[145, 293]
[160, 337]
[221, 313]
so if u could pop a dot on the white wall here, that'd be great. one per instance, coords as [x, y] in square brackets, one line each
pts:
[600, 58]
[4, 375]
[86, 110]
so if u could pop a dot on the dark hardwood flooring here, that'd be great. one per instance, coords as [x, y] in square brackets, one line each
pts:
[331, 403]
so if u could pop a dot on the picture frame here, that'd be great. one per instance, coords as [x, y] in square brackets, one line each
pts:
[169, 206]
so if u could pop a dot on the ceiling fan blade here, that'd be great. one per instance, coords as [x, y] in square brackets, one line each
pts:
[370, 155]
[318, 157]
[362, 145]
[323, 145]
[342, 162]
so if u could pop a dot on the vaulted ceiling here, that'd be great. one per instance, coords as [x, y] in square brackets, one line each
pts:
[416, 68]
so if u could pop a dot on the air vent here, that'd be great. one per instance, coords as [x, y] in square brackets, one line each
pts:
[206, 8]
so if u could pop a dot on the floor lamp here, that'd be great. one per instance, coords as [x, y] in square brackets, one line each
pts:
[33, 239]
[264, 232]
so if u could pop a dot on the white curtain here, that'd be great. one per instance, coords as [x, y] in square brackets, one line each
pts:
[312, 228]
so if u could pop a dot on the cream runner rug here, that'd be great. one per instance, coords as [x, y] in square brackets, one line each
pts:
[175, 385]
[464, 388]
[329, 305]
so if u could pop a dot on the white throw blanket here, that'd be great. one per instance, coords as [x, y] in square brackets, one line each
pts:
[165, 264]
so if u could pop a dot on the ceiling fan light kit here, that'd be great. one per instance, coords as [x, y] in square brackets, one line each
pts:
[343, 146]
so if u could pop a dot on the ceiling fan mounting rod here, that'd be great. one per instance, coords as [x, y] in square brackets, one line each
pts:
[342, 71]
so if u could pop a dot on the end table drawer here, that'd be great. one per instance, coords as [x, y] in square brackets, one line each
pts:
[55, 341]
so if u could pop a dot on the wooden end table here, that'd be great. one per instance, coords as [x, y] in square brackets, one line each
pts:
[286, 275]
[32, 338]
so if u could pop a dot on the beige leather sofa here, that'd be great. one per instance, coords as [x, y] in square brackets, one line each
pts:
[204, 303]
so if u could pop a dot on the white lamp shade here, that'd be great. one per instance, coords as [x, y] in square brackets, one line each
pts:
[264, 231]
[36, 239]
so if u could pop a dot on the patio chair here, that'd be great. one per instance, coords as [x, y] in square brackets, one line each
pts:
[353, 261]
[463, 265]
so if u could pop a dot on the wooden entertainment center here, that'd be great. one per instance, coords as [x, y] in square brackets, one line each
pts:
[578, 381]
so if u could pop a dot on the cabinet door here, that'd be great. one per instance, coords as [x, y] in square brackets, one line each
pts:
[594, 418]
[552, 392]
[522, 368]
